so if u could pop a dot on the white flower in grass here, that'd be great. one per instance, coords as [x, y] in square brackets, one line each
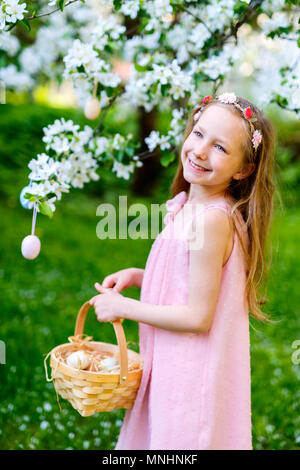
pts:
[47, 406]
[44, 425]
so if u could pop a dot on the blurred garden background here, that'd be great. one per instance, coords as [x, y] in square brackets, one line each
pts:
[41, 298]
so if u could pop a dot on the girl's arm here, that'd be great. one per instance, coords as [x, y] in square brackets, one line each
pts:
[138, 277]
[204, 284]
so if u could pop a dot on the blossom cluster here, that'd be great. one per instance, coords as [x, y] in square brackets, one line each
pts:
[173, 56]
[163, 82]
[174, 135]
[11, 11]
[72, 159]
[84, 62]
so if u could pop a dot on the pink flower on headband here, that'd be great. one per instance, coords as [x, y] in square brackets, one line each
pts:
[256, 138]
[207, 99]
[248, 112]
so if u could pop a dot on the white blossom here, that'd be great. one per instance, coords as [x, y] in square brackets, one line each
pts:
[123, 171]
[14, 11]
[279, 20]
[152, 140]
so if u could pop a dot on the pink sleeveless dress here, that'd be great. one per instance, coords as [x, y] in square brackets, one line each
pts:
[195, 391]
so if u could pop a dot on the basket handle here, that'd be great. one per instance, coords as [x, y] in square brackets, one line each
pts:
[119, 331]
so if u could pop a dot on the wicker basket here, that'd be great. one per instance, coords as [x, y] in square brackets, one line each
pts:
[91, 392]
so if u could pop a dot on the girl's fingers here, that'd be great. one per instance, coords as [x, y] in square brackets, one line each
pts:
[103, 290]
[108, 282]
[119, 286]
[100, 288]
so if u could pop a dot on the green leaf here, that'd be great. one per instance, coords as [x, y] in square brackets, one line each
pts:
[140, 68]
[27, 24]
[108, 49]
[130, 151]
[154, 88]
[164, 89]
[11, 27]
[298, 42]
[120, 155]
[167, 158]
[117, 4]
[45, 209]
[61, 4]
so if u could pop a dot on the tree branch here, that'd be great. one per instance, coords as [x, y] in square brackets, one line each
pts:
[50, 12]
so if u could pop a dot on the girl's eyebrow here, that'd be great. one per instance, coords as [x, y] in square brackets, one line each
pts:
[214, 138]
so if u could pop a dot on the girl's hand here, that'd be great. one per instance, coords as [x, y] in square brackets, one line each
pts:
[124, 279]
[109, 305]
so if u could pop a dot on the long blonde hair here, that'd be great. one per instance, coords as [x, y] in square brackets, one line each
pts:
[254, 199]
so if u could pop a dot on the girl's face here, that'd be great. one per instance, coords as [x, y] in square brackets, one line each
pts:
[212, 154]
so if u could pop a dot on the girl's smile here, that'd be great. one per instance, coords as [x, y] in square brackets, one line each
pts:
[196, 166]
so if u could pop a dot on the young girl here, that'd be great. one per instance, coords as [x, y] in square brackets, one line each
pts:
[193, 316]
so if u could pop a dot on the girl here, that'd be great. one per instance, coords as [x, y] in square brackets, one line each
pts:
[195, 391]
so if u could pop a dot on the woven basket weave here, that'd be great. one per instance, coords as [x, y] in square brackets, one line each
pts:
[92, 392]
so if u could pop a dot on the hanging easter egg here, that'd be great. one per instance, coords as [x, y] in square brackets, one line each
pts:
[31, 246]
[92, 108]
[78, 360]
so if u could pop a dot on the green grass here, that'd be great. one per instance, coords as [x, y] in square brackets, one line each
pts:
[42, 297]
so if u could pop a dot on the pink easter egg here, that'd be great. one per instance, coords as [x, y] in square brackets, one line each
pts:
[31, 246]
[92, 108]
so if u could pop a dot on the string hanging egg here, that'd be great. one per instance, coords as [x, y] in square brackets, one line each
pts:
[31, 244]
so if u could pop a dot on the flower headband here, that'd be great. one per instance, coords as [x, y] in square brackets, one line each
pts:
[230, 98]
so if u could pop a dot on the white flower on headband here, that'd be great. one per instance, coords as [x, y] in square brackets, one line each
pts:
[227, 98]
[256, 138]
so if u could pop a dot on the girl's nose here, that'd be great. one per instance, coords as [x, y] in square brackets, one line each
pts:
[201, 155]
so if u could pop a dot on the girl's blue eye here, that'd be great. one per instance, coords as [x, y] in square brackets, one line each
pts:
[198, 132]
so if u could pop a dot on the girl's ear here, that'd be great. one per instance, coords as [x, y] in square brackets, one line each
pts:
[250, 167]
